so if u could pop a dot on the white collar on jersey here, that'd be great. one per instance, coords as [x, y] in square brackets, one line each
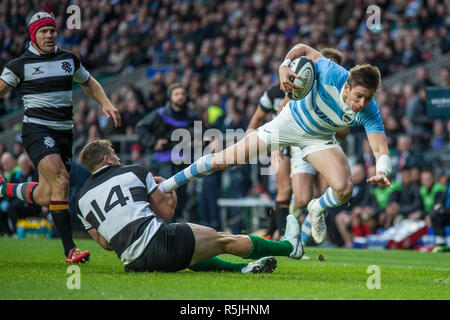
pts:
[349, 114]
[33, 49]
[100, 169]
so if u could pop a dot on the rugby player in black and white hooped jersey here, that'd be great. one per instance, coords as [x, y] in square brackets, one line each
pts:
[123, 209]
[43, 76]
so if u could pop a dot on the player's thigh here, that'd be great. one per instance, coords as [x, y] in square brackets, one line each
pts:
[239, 153]
[53, 170]
[207, 243]
[302, 187]
[333, 165]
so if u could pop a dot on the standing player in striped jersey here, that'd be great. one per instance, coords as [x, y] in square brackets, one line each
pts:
[123, 209]
[338, 99]
[269, 103]
[43, 76]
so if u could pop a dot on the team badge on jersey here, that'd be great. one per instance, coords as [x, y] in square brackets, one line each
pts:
[49, 142]
[66, 66]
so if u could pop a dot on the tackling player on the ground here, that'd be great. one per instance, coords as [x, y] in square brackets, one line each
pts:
[123, 209]
[338, 99]
[43, 75]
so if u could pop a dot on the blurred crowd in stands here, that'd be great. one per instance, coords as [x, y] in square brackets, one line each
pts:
[227, 53]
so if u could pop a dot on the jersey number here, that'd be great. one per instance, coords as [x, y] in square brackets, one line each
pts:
[121, 199]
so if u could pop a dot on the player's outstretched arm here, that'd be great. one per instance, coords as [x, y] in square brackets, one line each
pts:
[96, 92]
[4, 88]
[378, 143]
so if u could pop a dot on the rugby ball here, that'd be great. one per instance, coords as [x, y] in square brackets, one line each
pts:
[304, 67]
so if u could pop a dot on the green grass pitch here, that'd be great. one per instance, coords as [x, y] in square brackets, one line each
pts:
[35, 269]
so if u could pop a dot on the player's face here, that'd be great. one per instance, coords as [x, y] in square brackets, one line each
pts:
[46, 38]
[178, 97]
[358, 97]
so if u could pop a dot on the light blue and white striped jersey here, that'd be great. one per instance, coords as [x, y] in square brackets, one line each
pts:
[324, 112]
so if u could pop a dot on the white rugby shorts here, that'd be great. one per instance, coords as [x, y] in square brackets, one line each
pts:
[283, 132]
[298, 164]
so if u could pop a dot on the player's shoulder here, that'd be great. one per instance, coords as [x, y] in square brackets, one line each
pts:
[16, 64]
[329, 72]
[138, 170]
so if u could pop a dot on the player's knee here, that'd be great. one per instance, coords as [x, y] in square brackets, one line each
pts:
[343, 190]
[302, 200]
[60, 184]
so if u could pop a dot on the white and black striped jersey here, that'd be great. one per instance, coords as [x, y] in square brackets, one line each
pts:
[114, 201]
[271, 99]
[45, 85]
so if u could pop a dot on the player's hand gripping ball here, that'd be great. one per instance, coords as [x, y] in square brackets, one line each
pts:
[304, 67]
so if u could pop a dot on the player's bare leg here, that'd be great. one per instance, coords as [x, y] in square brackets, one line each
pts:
[333, 164]
[56, 178]
[281, 167]
[302, 188]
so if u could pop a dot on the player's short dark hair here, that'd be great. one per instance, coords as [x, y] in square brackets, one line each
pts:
[332, 54]
[93, 153]
[364, 75]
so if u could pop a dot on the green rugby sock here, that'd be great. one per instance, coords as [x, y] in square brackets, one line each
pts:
[263, 248]
[217, 264]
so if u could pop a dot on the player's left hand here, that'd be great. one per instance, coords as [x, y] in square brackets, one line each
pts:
[285, 74]
[381, 179]
[110, 111]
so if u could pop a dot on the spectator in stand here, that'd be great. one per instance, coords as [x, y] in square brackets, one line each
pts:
[240, 182]
[136, 156]
[419, 125]
[440, 218]
[430, 190]
[12, 174]
[132, 114]
[445, 77]
[352, 218]
[439, 137]
[404, 203]
[155, 133]
[423, 78]
[211, 186]
[405, 154]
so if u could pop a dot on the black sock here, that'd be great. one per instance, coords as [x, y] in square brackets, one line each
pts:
[273, 222]
[61, 219]
[281, 212]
